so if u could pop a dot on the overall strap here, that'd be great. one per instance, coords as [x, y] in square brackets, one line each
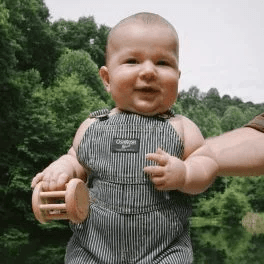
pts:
[102, 114]
[167, 115]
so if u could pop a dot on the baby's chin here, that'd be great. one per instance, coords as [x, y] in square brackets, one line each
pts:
[146, 110]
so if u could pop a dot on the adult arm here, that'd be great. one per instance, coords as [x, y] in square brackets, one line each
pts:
[239, 152]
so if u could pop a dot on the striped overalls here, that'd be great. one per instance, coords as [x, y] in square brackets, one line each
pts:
[130, 221]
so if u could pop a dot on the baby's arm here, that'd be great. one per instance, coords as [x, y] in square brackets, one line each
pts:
[67, 167]
[195, 173]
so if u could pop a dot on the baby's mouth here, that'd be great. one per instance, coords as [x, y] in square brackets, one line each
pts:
[147, 90]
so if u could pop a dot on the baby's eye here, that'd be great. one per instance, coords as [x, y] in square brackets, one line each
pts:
[131, 61]
[163, 63]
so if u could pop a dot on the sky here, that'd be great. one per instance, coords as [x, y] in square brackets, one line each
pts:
[221, 42]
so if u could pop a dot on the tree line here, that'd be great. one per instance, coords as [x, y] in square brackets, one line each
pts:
[49, 84]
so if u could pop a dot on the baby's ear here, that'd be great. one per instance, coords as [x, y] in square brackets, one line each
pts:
[104, 74]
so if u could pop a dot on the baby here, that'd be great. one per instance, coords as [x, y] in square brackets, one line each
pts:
[142, 160]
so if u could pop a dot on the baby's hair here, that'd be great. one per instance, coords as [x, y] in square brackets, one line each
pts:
[145, 18]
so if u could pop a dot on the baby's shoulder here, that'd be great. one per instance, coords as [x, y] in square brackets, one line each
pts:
[85, 124]
[99, 114]
[179, 123]
[81, 131]
[189, 133]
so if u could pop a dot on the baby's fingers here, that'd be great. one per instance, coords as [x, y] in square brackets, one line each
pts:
[38, 178]
[154, 170]
[62, 181]
[55, 182]
[49, 183]
[156, 176]
[159, 158]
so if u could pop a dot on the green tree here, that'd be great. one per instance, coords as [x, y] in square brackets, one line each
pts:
[229, 206]
[79, 62]
[213, 102]
[26, 43]
[189, 99]
[208, 207]
[205, 119]
[16, 170]
[39, 46]
[98, 52]
[8, 47]
[46, 127]
[40, 124]
[249, 112]
[232, 118]
[54, 114]
[15, 115]
[253, 188]
[194, 92]
[177, 108]
[233, 206]
[83, 35]
[222, 245]
[52, 254]
[12, 242]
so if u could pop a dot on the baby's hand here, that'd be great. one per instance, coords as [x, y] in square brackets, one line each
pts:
[54, 178]
[170, 172]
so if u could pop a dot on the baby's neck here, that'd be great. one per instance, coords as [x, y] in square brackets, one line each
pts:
[117, 110]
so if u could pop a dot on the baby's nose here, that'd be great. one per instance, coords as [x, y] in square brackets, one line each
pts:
[148, 71]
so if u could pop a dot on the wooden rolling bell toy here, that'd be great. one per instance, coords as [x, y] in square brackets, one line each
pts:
[71, 204]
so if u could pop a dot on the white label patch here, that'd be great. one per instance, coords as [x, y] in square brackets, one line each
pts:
[125, 145]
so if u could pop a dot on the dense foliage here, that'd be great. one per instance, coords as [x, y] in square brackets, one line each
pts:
[49, 84]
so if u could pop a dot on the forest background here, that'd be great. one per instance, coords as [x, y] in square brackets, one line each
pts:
[49, 84]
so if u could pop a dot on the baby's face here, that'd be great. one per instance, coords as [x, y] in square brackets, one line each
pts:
[142, 71]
